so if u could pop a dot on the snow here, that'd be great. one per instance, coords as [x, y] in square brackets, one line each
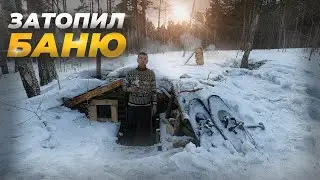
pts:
[40, 139]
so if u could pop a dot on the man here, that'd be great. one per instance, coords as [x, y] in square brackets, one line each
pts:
[140, 83]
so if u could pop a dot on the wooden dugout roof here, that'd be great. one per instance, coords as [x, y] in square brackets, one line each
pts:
[93, 93]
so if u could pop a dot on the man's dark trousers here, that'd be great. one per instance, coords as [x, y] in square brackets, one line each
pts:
[139, 128]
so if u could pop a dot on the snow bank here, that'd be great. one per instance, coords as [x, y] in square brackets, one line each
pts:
[54, 97]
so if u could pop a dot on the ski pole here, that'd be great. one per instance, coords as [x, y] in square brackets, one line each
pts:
[260, 125]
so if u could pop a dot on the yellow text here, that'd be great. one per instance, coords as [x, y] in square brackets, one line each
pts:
[19, 45]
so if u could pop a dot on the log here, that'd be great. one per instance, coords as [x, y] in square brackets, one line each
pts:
[193, 90]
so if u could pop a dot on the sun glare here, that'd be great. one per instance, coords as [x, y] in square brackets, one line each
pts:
[180, 12]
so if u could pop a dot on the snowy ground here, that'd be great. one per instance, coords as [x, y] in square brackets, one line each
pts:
[42, 140]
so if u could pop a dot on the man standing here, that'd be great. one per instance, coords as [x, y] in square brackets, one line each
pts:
[140, 83]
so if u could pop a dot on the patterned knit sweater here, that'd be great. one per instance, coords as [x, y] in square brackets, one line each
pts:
[145, 81]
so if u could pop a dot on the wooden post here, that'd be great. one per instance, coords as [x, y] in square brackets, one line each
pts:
[92, 109]
[114, 113]
[157, 136]
[168, 112]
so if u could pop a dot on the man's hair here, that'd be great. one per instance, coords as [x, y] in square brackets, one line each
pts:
[143, 53]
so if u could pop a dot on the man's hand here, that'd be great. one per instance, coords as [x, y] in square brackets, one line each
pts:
[154, 109]
[132, 89]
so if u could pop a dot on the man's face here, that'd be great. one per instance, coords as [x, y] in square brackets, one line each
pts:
[142, 60]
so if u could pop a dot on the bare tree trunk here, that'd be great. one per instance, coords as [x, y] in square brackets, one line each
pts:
[92, 5]
[4, 35]
[159, 14]
[144, 23]
[47, 69]
[250, 15]
[3, 63]
[280, 34]
[308, 43]
[6, 8]
[271, 40]
[302, 43]
[27, 74]
[295, 41]
[98, 66]
[243, 27]
[64, 5]
[98, 58]
[215, 29]
[137, 24]
[18, 7]
[98, 1]
[190, 25]
[109, 6]
[315, 41]
[244, 62]
[284, 29]
[192, 11]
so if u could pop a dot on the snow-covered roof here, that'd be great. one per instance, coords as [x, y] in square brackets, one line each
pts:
[93, 93]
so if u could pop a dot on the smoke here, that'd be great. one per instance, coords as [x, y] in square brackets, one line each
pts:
[150, 46]
[189, 42]
[211, 47]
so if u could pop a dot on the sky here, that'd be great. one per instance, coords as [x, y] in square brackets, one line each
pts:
[179, 10]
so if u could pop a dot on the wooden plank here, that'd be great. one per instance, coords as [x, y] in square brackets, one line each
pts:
[93, 93]
[93, 113]
[104, 102]
[104, 119]
[114, 113]
[157, 136]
